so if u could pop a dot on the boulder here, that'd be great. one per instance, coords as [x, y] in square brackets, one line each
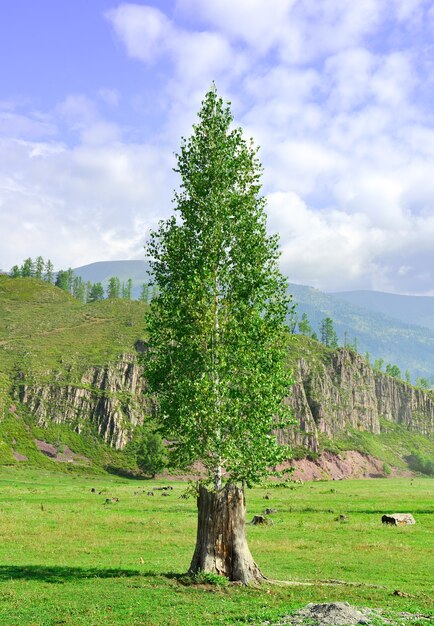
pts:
[398, 519]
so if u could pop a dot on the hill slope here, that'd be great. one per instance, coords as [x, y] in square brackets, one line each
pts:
[408, 346]
[71, 387]
[391, 338]
[415, 310]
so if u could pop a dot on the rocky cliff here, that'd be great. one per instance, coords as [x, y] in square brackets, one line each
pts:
[110, 399]
[340, 392]
[333, 392]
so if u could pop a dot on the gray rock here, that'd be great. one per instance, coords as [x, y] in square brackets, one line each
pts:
[398, 519]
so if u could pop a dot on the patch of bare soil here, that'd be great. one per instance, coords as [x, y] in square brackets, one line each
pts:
[64, 456]
[19, 457]
[351, 464]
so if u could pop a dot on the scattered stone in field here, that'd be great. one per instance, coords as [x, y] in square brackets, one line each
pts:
[111, 500]
[270, 511]
[93, 490]
[341, 518]
[169, 488]
[260, 519]
[165, 493]
[267, 496]
[150, 493]
[398, 519]
[343, 614]
[402, 594]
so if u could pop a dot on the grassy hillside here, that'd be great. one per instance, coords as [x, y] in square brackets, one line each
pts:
[389, 331]
[47, 328]
[47, 334]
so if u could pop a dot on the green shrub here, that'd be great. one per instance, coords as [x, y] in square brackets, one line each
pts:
[151, 454]
[421, 463]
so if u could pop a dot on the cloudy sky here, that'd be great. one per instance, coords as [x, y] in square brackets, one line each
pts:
[95, 95]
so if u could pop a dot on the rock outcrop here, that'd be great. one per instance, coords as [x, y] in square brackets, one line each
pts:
[341, 393]
[332, 393]
[110, 399]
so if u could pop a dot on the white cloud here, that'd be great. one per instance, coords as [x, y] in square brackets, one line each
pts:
[144, 30]
[330, 92]
[83, 204]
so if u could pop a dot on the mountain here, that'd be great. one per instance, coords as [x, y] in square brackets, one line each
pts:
[383, 336]
[72, 388]
[102, 271]
[415, 310]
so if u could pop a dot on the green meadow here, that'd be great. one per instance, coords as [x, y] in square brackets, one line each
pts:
[70, 558]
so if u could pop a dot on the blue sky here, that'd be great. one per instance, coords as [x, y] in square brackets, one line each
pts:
[95, 95]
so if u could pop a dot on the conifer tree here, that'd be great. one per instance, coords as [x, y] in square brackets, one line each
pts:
[49, 272]
[39, 267]
[328, 334]
[114, 288]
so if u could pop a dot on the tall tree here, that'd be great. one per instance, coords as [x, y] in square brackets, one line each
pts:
[39, 267]
[96, 292]
[127, 289]
[78, 288]
[217, 334]
[62, 280]
[144, 293]
[49, 272]
[27, 268]
[113, 288]
[328, 333]
[15, 272]
[393, 370]
[304, 326]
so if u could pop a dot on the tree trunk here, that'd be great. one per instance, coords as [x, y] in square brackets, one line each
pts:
[221, 545]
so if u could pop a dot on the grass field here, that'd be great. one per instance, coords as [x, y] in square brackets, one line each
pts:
[68, 558]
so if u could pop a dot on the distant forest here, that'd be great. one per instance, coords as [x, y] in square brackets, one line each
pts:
[84, 291]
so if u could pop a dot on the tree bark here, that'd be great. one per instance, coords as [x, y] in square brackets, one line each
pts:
[221, 544]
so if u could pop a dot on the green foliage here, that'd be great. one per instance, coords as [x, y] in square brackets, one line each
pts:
[328, 334]
[144, 293]
[378, 364]
[205, 578]
[126, 289]
[27, 268]
[217, 344]
[151, 454]
[114, 288]
[62, 280]
[304, 326]
[96, 293]
[421, 462]
[422, 383]
[393, 370]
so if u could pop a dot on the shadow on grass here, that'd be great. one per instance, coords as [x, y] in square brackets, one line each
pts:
[61, 574]
[58, 574]
[124, 472]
